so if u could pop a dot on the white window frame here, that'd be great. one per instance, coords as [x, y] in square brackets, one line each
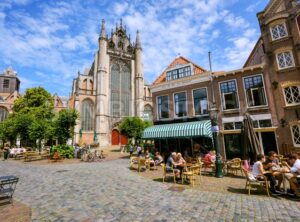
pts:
[245, 91]
[186, 105]
[194, 113]
[222, 95]
[157, 111]
[292, 57]
[281, 37]
[285, 99]
[293, 137]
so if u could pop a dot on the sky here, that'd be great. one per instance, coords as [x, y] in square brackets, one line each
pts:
[47, 42]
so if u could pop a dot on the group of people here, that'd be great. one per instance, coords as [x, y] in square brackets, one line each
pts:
[278, 173]
[175, 162]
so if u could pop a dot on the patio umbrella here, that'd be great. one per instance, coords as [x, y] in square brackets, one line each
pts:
[250, 143]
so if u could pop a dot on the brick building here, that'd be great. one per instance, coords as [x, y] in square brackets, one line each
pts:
[267, 87]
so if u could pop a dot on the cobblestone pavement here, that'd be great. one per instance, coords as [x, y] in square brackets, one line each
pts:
[109, 191]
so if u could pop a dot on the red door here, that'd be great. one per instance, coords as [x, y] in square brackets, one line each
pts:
[123, 140]
[115, 137]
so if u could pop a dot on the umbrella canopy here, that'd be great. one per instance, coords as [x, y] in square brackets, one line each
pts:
[250, 143]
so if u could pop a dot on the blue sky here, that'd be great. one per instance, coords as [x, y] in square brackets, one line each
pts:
[47, 42]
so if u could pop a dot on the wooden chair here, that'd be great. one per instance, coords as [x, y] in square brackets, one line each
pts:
[168, 173]
[252, 181]
[133, 161]
[188, 174]
[234, 166]
[208, 165]
[142, 163]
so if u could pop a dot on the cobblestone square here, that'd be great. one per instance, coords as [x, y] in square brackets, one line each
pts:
[109, 191]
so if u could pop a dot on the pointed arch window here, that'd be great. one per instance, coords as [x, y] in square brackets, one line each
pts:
[87, 115]
[120, 89]
[3, 114]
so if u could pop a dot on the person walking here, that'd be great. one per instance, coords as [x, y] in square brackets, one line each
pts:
[131, 149]
[139, 150]
[6, 152]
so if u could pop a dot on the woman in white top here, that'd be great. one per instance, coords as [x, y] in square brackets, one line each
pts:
[258, 169]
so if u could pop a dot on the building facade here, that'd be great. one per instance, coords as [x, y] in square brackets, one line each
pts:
[111, 89]
[9, 91]
[267, 88]
[280, 36]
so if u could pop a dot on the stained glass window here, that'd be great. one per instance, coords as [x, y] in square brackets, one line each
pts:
[87, 115]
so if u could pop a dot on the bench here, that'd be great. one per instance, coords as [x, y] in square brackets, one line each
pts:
[7, 188]
[20, 156]
[31, 156]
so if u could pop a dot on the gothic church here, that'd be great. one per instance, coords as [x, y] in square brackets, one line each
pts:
[113, 88]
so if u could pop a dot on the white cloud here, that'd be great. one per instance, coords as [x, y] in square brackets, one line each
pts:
[61, 36]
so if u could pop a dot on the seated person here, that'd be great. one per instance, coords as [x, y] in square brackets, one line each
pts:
[158, 159]
[210, 157]
[179, 159]
[271, 164]
[258, 170]
[294, 161]
[171, 164]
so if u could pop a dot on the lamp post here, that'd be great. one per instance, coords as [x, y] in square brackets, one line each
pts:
[214, 124]
[215, 131]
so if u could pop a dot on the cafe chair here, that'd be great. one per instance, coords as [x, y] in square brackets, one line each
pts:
[234, 166]
[251, 182]
[169, 173]
[142, 163]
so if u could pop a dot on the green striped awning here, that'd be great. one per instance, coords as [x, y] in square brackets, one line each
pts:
[179, 130]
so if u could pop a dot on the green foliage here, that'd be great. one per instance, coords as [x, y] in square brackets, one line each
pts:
[33, 119]
[64, 150]
[7, 130]
[133, 127]
[64, 124]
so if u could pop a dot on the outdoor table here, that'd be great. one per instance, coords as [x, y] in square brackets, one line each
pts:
[7, 187]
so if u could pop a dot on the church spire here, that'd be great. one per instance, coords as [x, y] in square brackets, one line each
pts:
[103, 32]
[138, 40]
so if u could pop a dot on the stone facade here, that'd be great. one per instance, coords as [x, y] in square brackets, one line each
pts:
[111, 89]
[9, 91]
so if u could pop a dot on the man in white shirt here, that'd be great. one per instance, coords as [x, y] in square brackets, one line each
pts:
[294, 172]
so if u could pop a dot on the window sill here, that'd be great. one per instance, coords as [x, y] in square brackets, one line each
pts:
[289, 69]
[231, 111]
[280, 40]
[257, 108]
[203, 115]
[293, 106]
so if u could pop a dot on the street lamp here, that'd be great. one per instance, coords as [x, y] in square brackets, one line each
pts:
[214, 124]
[215, 131]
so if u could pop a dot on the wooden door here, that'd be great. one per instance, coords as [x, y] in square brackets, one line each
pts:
[124, 140]
[115, 140]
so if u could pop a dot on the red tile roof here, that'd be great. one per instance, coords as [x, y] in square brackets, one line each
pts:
[182, 61]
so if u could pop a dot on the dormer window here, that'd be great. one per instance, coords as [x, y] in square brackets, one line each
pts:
[179, 73]
[278, 31]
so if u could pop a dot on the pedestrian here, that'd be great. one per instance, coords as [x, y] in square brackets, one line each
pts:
[139, 150]
[6, 152]
[131, 149]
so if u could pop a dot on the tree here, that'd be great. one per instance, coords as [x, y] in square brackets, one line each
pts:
[133, 127]
[37, 102]
[7, 131]
[64, 124]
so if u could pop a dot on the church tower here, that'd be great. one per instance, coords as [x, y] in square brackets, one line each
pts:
[112, 89]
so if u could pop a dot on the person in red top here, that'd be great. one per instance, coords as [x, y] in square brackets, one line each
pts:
[210, 157]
